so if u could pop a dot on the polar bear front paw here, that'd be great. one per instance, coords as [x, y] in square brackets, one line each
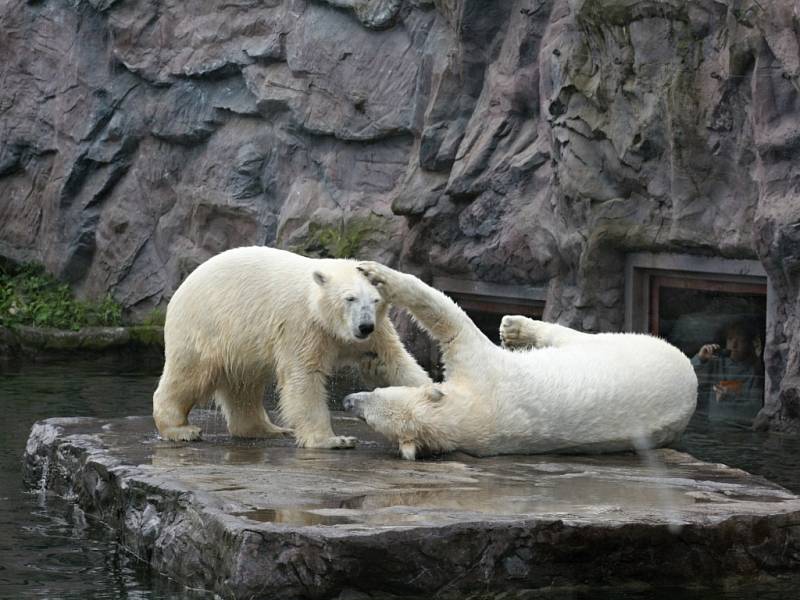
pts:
[382, 277]
[518, 332]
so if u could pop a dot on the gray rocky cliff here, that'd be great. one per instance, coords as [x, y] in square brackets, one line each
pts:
[526, 141]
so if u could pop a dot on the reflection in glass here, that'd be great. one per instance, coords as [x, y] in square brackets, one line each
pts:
[722, 331]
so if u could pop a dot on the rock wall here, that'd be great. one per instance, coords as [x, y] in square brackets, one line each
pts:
[524, 141]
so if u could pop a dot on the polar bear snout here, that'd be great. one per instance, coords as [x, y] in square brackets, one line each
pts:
[365, 328]
[355, 403]
[363, 312]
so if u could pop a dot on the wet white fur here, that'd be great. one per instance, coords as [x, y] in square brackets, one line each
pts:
[252, 316]
[564, 391]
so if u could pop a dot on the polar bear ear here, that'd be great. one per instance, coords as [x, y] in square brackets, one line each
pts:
[320, 278]
[434, 394]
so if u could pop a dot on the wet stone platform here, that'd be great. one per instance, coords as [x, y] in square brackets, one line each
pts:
[264, 519]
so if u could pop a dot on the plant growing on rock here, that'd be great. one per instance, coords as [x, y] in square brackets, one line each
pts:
[330, 241]
[30, 296]
[155, 318]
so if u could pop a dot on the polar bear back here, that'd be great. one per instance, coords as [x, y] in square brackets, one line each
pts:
[591, 391]
[242, 298]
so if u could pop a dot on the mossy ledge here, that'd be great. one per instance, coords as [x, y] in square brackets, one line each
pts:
[22, 340]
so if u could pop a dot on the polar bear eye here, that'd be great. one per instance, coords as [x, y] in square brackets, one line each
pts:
[350, 299]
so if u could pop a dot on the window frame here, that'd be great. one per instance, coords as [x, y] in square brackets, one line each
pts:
[645, 271]
[658, 281]
[494, 298]
[642, 267]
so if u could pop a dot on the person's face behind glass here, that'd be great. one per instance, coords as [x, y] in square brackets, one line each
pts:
[740, 347]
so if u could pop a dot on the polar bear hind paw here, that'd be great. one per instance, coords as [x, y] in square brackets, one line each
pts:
[518, 332]
[185, 433]
[344, 441]
[334, 442]
[264, 432]
[273, 430]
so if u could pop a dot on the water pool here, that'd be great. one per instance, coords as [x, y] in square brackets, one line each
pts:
[45, 554]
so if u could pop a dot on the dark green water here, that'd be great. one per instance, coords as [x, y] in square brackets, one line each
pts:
[44, 554]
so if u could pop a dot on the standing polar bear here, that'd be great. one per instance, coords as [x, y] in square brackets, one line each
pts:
[252, 316]
[561, 391]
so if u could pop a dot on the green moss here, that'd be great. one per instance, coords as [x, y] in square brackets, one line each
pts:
[155, 318]
[30, 296]
[747, 17]
[344, 241]
[621, 13]
[621, 233]
[147, 335]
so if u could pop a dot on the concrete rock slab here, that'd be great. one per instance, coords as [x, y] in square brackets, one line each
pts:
[265, 519]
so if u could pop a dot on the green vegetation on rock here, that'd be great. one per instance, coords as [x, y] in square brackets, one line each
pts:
[30, 296]
[154, 318]
[329, 241]
[146, 335]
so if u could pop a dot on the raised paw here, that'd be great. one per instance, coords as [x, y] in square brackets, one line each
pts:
[382, 277]
[518, 332]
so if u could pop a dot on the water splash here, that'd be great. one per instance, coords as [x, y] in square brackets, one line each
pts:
[41, 489]
[644, 449]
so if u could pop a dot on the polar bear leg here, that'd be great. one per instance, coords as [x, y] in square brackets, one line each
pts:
[517, 331]
[372, 370]
[389, 363]
[244, 412]
[431, 308]
[174, 397]
[304, 406]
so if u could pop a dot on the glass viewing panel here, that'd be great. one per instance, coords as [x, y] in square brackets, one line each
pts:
[721, 326]
[487, 313]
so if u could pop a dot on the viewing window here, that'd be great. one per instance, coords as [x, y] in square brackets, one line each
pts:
[487, 303]
[716, 312]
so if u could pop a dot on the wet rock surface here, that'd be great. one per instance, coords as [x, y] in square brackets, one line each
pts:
[264, 519]
[514, 142]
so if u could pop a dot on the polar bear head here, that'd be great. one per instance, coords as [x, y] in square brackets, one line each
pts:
[411, 416]
[347, 305]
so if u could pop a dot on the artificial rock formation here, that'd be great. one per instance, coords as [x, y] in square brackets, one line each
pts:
[524, 141]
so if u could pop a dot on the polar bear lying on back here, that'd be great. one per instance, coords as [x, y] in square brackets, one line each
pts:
[565, 392]
[252, 316]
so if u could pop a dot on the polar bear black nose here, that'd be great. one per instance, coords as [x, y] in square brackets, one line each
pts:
[366, 328]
